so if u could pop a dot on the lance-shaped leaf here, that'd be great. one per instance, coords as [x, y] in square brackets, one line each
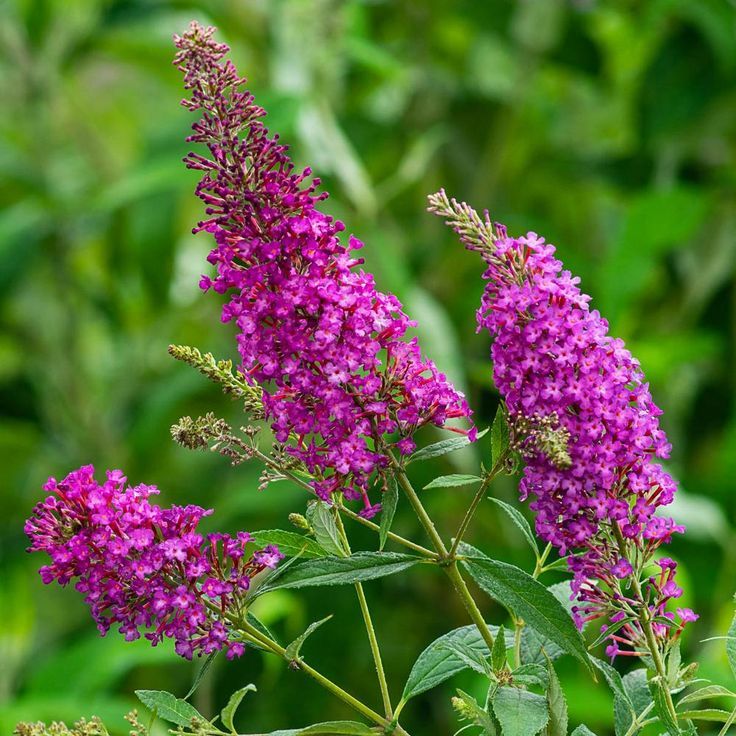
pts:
[471, 657]
[519, 521]
[498, 653]
[227, 715]
[705, 693]
[731, 645]
[708, 714]
[452, 481]
[582, 730]
[556, 705]
[520, 712]
[357, 568]
[201, 672]
[329, 728]
[442, 447]
[256, 623]
[167, 706]
[526, 598]
[389, 502]
[290, 544]
[292, 651]
[321, 519]
[438, 663]
[499, 437]
[623, 707]
[668, 720]
[535, 646]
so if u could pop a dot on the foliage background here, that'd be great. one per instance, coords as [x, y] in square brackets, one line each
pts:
[610, 127]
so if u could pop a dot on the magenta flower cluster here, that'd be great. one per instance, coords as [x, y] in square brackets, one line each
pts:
[553, 357]
[144, 568]
[330, 350]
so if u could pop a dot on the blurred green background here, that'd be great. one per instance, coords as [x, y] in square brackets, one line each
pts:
[609, 127]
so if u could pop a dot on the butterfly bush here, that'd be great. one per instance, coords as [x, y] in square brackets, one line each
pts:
[142, 567]
[585, 422]
[327, 360]
[331, 350]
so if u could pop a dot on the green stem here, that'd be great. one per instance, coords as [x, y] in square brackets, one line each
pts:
[266, 460]
[539, 567]
[473, 507]
[637, 722]
[453, 572]
[419, 509]
[256, 636]
[646, 626]
[449, 565]
[370, 630]
[519, 622]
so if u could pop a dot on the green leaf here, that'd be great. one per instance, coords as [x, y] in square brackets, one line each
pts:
[636, 686]
[613, 678]
[227, 715]
[329, 728]
[582, 730]
[201, 672]
[521, 523]
[526, 598]
[472, 659]
[709, 714]
[443, 447]
[532, 674]
[660, 707]
[499, 437]
[258, 624]
[388, 508]
[519, 712]
[556, 705]
[452, 481]
[674, 659]
[292, 651]
[731, 646]
[343, 728]
[341, 570]
[704, 693]
[623, 707]
[498, 653]
[167, 706]
[320, 518]
[290, 544]
[475, 714]
[535, 647]
[438, 663]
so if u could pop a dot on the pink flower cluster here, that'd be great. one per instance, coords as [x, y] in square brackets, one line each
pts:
[330, 350]
[586, 424]
[143, 567]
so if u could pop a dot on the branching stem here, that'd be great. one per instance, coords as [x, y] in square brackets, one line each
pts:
[447, 562]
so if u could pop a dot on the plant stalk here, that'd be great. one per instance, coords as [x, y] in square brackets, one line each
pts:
[266, 460]
[649, 636]
[481, 492]
[447, 562]
[256, 636]
[370, 630]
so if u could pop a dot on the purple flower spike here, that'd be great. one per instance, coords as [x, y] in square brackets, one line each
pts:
[142, 567]
[583, 418]
[328, 348]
